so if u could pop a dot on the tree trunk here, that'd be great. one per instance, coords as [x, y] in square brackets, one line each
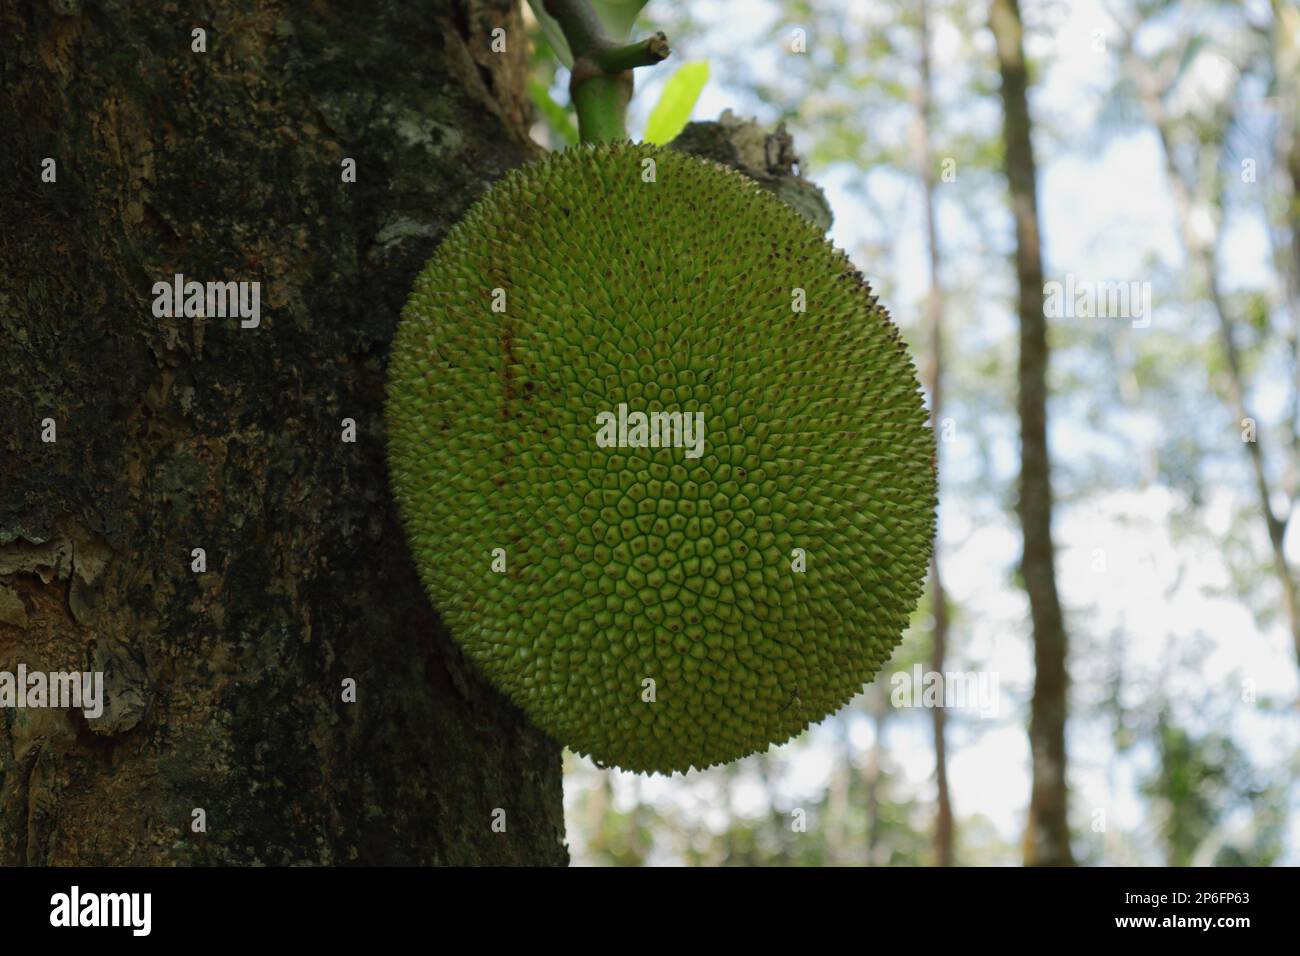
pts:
[1047, 837]
[943, 822]
[1205, 189]
[1286, 33]
[225, 687]
[874, 778]
[1286, 58]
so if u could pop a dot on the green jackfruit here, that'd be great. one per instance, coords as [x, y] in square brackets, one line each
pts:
[725, 575]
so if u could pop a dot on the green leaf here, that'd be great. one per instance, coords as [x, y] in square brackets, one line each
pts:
[559, 119]
[673, 110]
[616, 16]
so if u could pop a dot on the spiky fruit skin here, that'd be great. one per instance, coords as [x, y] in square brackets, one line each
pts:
[625, 565]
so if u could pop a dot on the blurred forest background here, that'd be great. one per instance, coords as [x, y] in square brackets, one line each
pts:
[1144, 663]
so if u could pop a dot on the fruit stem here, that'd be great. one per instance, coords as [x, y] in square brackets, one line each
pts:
[647, 52]
[601, 104]
[601, 80]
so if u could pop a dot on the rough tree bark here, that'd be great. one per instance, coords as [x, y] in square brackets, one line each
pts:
[224, 688]
[1047, 837]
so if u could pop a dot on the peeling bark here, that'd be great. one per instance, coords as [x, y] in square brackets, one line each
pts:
[224, 688]
[767, 158]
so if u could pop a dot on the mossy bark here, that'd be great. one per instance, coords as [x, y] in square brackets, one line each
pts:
[225, 688]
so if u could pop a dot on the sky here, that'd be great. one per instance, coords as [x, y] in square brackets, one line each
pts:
[1107, 213]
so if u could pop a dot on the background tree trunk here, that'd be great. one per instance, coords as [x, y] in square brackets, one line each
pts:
[1202, 189]
[224, 687]
[943, 819]
[1047, 837]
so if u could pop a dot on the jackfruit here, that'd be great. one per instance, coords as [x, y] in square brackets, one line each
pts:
[661, 457]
